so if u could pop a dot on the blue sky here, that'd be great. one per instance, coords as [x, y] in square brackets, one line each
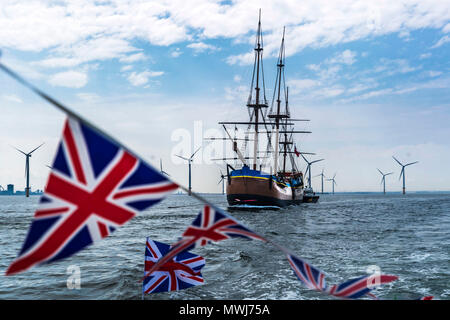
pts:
[373, 78]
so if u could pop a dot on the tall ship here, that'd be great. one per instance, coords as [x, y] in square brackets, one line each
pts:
[265, 177]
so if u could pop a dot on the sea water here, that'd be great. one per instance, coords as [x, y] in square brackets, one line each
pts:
[344, 235]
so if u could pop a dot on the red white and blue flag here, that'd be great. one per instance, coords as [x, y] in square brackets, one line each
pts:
[314, 279]
[311, 277]
[94, 187]
[182, 272]
[358, 287]
[210, 225]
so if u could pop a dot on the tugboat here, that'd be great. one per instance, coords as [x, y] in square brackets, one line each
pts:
[249, 187]
[310, 196]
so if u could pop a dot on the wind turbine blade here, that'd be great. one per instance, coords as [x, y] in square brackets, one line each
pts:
[182, 157]
[35, 149]
[334, 176]
[388, 173]
[304, 158]
[165, 173]
[19, 150]
[382, 179]
[397, 161]
[195, 153]
[380, 172]
[316, 161]
[220, 181]
[160, 165]
[411, 163]
[26, 167]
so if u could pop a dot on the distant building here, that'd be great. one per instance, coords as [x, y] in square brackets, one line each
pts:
[10, 189]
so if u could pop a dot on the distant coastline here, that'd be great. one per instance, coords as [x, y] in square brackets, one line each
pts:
[21, 193]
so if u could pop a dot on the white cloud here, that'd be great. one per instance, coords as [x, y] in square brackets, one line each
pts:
[65, 27]
[238, 93]
[446, 29]
[133, 58]
[176, 53]
[313, 67]
[300, 85]
[432, 73]
[394, 66]
[358, 87]
[442, 41]
[12, 98]
[70, 79]
[141, 78]
[241, 59]
[345, 57]
[89, 97]
[202, 47]
[425, 55]
[326, 92]
[440, 83]
[126, 68]
[330, 68]
[91, 50]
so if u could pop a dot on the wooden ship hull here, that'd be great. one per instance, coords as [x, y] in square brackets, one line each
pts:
[254, 188]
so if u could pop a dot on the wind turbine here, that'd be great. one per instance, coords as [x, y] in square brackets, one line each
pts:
[222, 179]
[334, 182]
[383, 180]
[189, 160]
[323, 176]
[27, 167]
[403, 171]
[308, 168]
[161, 169]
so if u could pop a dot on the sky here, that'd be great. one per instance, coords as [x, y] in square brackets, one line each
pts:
[371, 76]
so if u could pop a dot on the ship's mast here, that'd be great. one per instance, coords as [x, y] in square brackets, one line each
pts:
[280, 66]
[257, 105]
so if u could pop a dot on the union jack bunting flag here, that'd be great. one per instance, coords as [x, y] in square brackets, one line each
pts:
[358, 287]
[181, 272]
[210, 225]
[94, 187]
[312, 277]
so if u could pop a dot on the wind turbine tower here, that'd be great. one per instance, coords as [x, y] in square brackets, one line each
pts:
[334, 181]
[402, 173]
[27, 167]
[189, 160]
[222, 179]
[323, 176]
[383, 179]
